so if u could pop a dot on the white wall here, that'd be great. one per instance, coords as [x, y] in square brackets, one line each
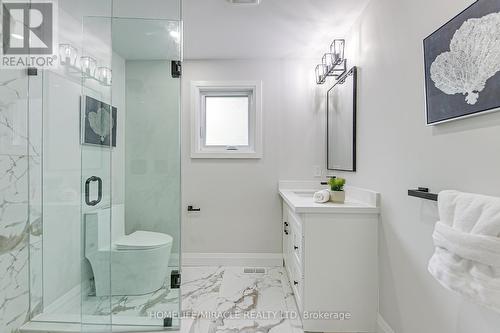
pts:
[240, 206]
[396, 151]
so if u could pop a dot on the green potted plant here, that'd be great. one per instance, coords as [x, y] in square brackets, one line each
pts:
[337, 193]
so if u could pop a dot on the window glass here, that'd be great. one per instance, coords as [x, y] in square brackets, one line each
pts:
[226, 121]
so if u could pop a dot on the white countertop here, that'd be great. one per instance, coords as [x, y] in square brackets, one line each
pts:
[299, 196]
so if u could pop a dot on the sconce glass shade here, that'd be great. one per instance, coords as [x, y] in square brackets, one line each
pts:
[104, 75]
[88, 66]
[337, 48]
[321, 73]
[67, 54]
[329, 61]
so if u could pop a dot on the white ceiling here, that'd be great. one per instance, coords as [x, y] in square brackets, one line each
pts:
[216, 29]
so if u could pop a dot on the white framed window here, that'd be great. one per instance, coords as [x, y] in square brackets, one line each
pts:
[226, 119]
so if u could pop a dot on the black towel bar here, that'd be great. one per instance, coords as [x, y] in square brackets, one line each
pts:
[192, 209]
[423, 193]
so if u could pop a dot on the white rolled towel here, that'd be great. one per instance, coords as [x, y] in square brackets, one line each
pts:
[321, 196]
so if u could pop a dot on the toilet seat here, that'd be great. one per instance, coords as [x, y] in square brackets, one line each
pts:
[142, 240]
[138, 263]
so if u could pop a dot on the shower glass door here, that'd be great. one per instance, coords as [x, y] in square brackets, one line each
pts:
[130, 167]
[146, 173]
[98, 130]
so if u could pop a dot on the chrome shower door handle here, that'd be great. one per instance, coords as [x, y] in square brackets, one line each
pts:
[87, 191]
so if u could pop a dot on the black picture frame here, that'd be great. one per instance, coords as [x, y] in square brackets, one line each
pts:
[442, 107]
[353, 72]
[88, 135]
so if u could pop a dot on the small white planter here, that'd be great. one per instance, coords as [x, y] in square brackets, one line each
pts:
[337, 196]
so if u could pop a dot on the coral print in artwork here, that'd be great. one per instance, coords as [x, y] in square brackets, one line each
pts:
[462, 64]
[98, 123]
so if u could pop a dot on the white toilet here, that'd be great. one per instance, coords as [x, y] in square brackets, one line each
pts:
[139, 261]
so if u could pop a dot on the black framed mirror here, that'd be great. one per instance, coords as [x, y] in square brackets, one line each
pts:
[341, 123]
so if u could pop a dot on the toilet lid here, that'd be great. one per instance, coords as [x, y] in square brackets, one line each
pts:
[143, 240]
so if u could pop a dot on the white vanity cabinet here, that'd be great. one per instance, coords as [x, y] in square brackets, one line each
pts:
[330, 256]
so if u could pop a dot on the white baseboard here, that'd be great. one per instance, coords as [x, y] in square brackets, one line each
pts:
[232, 259]
[382, 326]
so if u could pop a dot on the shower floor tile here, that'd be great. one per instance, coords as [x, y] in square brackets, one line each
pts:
[123, 310]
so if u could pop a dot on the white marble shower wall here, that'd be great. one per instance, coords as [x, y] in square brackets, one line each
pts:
[17, 156]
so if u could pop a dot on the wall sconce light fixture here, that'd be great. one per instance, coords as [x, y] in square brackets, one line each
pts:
[337, 48]
[88, 65]
[68, 54]
[321, 74]
[333, 63]
[104, 75]
[68, 57]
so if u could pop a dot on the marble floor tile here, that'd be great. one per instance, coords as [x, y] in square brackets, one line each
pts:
[214, 300]
[200, 288]
[163, 300]
[252, 302]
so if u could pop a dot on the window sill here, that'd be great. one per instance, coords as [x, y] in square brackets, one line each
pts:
[227, 154]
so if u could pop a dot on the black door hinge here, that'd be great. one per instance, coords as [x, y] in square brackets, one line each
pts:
[32, 71]
[175, 280]
[176, 69]
[167, 322]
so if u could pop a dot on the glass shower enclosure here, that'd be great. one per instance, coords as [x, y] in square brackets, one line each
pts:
[106, 125]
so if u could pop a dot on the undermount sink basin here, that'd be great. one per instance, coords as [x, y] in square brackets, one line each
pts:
[304, 194]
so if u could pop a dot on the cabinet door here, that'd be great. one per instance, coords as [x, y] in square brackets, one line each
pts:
[340, 272]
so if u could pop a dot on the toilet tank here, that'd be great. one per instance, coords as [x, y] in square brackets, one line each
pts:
[91, 232]
[118, 221]
[98, 228]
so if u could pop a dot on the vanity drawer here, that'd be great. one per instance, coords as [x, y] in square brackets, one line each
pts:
[296, 281]
[296, 239]
[296, 243]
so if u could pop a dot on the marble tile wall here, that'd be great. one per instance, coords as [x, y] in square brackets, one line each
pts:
[20, 231]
